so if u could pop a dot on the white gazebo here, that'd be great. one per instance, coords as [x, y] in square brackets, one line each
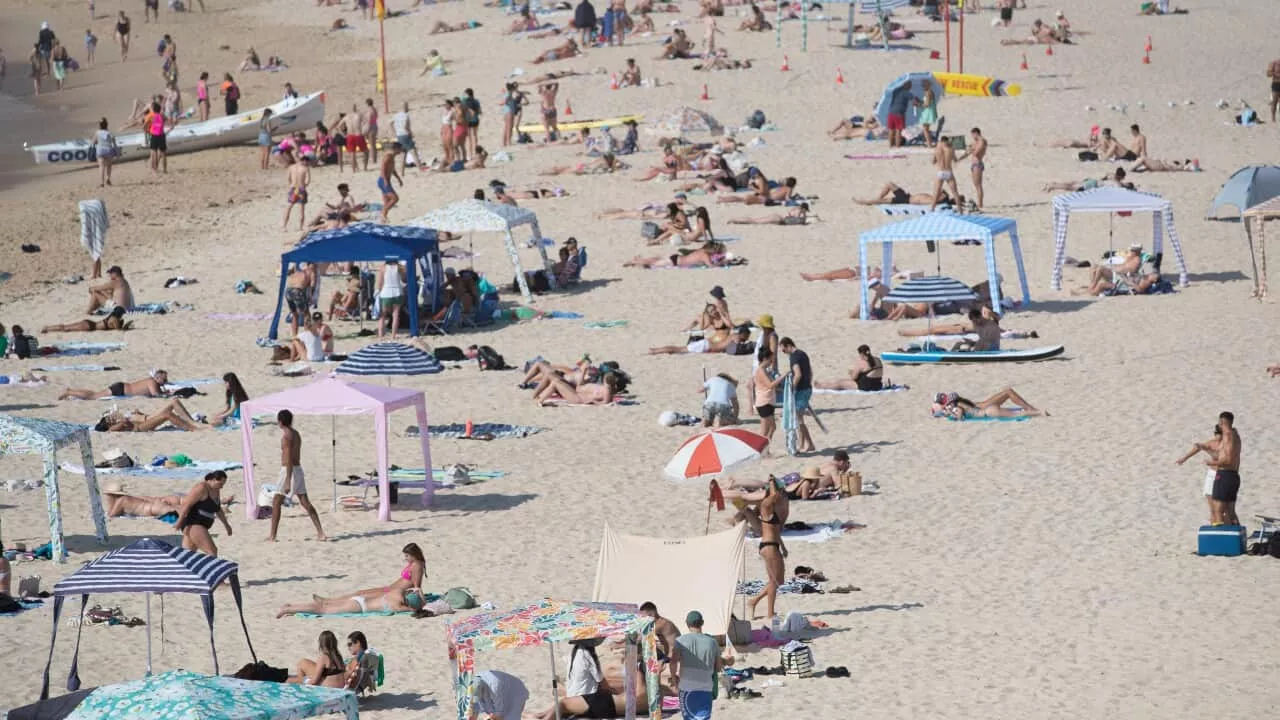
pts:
[468, 216]
[1115, 200]
[1254, 220]
[940, 227]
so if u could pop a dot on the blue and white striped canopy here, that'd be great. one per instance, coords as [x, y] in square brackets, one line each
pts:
[148, 566]
[390, 358]
[871, 6]
[931, 290]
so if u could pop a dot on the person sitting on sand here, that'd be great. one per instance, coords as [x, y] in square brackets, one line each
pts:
[251, 60]
[670, 166]
[119, 503]
[326, 671]
[525, 23]
[736, 343]
[393, 600]
[604, 165]
[987, 327]
[601, 393]
[593, 689]
[235, 396]
[894, 194]
[1134, 276]
[346, 303]
[567, 50]
[114, 321]
[711, 254]
[150, 386]
[679, 48]
[1112, 149]
[866, 375]
[755, 22]
[675, 227]
[444, 27]
[173, 413]
[630, 74]
[700, 232]
[881, 310]
[798, 215]
[410, 579]
[115, 292]
[959, 408]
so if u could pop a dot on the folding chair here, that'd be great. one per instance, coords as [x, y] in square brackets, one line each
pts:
[450, 321]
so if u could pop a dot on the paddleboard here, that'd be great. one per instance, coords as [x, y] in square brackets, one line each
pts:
[581, 124]
[972, 356]
[977, 85]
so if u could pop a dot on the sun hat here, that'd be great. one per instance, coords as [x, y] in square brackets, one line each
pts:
[765, 321]
[693, 619]
[113, 487]
[717, 292]
[811, 472]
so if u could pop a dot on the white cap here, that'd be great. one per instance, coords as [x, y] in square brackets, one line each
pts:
[44, 25]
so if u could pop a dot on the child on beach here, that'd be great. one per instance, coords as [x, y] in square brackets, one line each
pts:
[90, 43]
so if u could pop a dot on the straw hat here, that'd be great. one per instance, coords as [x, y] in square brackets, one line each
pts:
[113, 487]
[811, 472]
[765, 321]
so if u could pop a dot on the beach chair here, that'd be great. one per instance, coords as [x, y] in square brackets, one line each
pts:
[450, 321]
[369, 673]
[582, 262]
[483, 314]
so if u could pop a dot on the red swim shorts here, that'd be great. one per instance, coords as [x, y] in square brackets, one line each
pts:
[357, 142]
[896, 122]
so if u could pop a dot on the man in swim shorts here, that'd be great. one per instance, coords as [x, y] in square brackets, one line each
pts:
[1273, 72]
[355, 130]
[547, 91]
[387, 171]
[897, 120]
[150, 386]
[1226, 481]
[944, 156]
[292, 481]
[978, 164]
[299, 179]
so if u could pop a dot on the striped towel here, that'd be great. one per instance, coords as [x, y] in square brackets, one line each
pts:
[832, 391]
[93, 227]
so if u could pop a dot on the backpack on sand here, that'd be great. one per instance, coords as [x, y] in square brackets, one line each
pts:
[490, 359]
[460, 598]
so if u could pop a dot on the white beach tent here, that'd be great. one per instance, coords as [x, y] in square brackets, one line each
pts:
[1254, 220]
[466, 216]
[678, 575]
[941, 227]
[1115, 200]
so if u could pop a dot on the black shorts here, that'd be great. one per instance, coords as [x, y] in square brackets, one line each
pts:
[1006, 14]
[870, 384]
[1226, 485]
[298, 301]
[600, 705]
[116, 389]
[157, 142]
[764, 411]
[1275, 87]
[1129, 156]
[900, 197]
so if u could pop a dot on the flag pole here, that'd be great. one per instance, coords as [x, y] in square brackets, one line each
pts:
[382, 55]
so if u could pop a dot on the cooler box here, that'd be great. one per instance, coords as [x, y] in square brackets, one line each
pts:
[1226, 540]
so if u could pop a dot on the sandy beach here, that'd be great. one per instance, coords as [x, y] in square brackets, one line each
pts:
[1039, 569]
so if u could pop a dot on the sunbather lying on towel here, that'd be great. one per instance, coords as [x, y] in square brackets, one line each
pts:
[958, 408]
[114, 321]
[603, 165]
[410, 579]
[600, 680]
[601, 393]
[393, 600]
[893, 194]
[849, 273]
[1041, 34]
[541, 371]
[711, 254]
[173, 413]
[798, 215]
[737, 343]
[857, 128]
[867, 374]
[150, 386]
[26, 377]
[814, 480]
[120, 504]
[444, 27]
[567, 50]
[1153, 165]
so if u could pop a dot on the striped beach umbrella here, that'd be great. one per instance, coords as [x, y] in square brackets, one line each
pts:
[931, 290]
[390, 358]
[714, 452]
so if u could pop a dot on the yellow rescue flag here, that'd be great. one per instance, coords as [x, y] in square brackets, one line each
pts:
[380, 7]
[382, 75]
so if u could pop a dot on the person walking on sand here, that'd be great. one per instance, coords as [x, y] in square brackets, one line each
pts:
[122, 35]
[1273, 73]
[387, 171]
[369, 121]
[944, 157]
[801, 371]
[200, 507]
[547, 91]
[299, 179]
[1226, 461]
[36, 64]
[403, 129]
[292, 480]
[695, 663]
[978, 163]
[104, 146]
[150, 8]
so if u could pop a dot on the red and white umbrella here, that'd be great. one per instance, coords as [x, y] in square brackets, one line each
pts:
[714, 452]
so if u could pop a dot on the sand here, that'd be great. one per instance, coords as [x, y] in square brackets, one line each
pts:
[1035, 570]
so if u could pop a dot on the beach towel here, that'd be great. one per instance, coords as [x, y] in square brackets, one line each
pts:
[832, 391]
[1016, 418]
[817, 532]
[790, 427]
[439, 474]
[93, 227]
[604, 324]
[238, 316]
[169, 518]
[78, 368]
[794, 586]
[556, 402]
[81, 348]
[194, 471]
[25, 606]
[429, 597]
[889, 156]
[903, 210]
[154, 308]
[457, 431]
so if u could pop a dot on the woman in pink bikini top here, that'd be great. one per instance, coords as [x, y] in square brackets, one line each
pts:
[411, 577]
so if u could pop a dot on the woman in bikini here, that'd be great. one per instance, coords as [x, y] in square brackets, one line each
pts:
[235, 396]
[773, 511]
[604, 165]
[670, 166]
[328, 671]
[711, 254]
[798, 215]
[676, 226]
[119, 503]
[701, 231]
[867, 374]
[114, 321]
[959, 408]
[601, 393]
[395, 600]
[201, 506]
[567, 50]
[411, 577]
[173, 413]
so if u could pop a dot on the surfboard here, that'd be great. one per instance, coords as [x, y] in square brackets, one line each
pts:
[581, 124]
[972, 356]
[977, 85]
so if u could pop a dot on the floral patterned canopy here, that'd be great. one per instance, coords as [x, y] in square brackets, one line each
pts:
[34, 436]
[184, 695]
[550, 621]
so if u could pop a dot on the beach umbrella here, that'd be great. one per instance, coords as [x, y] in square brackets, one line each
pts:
[931, 291]
[185, 695]
[714, 452]
[1247, 187]
[684, 120]
[911, 83]
[390, 358]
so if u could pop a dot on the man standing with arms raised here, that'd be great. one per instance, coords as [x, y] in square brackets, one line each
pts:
[292, 481]
[1226, 482]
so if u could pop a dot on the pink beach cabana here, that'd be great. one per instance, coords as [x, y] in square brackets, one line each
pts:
[334, 396]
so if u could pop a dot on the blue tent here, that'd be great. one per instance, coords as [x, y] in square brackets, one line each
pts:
[368, 242]
[1248, 186]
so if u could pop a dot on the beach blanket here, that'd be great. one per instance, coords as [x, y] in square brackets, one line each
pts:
[889, 156]
[817, 532]
[411, 474]
[458, 431]
[903, 210]
[169, 518]
[429, 597]
[154, 308]
[238, 316]
[1016, 418]
[604, 324]
[93, 227]
[26, 605]
[81, 348]
[794, 586]
[172, 385]
[78, 368]
[196, 470]
[833, 391]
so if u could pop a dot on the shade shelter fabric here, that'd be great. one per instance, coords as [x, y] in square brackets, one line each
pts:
[912, 84]
[390, 358]
[1246, 188]
[1255, 219]
[145, 566]
[700, 573]
[369, 242]
[336, 396]
[1113, 200]
[480, 216]
[184, 695]
[941, 227]
[548, 622]
[685, 120]
[33, 436]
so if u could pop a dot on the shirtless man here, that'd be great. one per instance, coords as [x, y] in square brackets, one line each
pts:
[347, 125]
[666, 631]
[354, 128]
[387, 171]
[764, 196]
[115, 291]
[987, 328]
[894, 194]
[944, 156]
[1226, 482]
[292, 481]
[1273, 72]
[978, 153]
[369, 121]
[299, 179]
[1113, 150]
[1139, 142]
[547, 92]
[150, 386]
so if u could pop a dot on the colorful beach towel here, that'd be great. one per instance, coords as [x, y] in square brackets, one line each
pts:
[196, 470]
[832, 391]
[794, 586]
[458, 431]
[604, 324]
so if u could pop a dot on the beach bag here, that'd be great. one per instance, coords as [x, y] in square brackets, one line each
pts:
[449, 353]
[1087, 156]
[233, 93]
[756, 120]
[739, 631]
[650, 230]
[262, 672]
[459, 598]
[437, 607]
[115, 458]
[490, 359]
[797, 662]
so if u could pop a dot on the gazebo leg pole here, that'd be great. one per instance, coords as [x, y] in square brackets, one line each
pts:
[555, 690]
[333, 457]
[148, 634]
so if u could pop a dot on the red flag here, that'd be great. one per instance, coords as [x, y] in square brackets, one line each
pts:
[717, 496]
